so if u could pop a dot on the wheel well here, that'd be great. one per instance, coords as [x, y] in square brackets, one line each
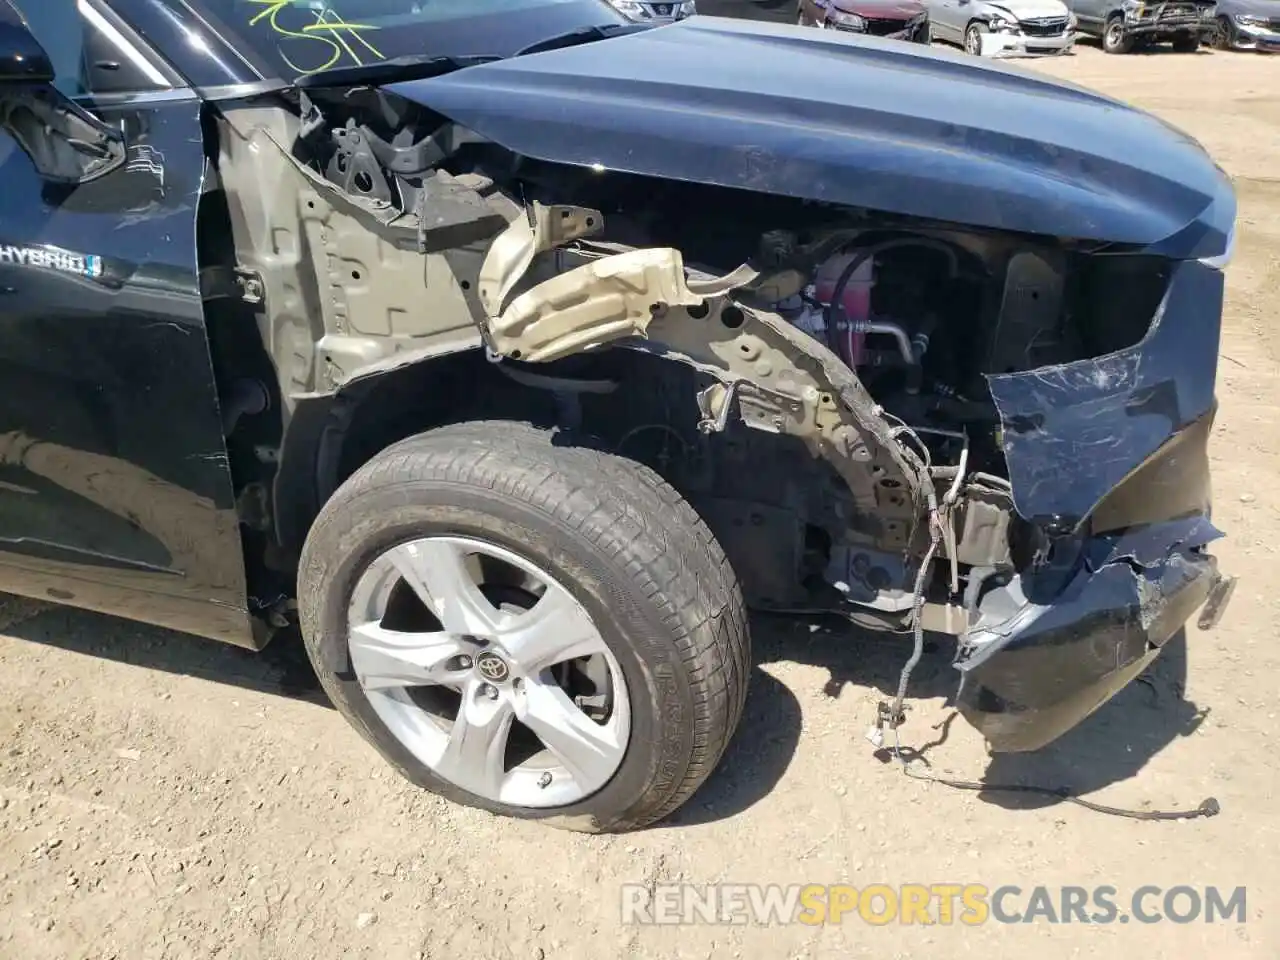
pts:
[449, 389]
[334, 437]
[330, 438]
[748, 485]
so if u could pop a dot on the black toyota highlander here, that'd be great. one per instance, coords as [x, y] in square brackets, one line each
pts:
[513, 350]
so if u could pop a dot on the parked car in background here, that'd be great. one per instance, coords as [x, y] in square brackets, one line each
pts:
[1125, 25]
[1008, 28]
[1247, 25]
[764, 11]
[643, 11]
[892, 19]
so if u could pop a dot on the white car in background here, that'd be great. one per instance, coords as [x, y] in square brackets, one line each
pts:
[1010, 28]
[654, 11]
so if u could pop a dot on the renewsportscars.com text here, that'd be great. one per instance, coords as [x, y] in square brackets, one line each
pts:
[970, 904]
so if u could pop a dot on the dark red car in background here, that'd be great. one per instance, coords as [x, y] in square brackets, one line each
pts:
[894, 19]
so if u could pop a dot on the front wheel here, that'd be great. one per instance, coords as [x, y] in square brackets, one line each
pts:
[1114, 37]
[1224, 34]
[973, 38]
[539, 630]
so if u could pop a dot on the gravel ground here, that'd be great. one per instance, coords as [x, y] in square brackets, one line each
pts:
[165, 797]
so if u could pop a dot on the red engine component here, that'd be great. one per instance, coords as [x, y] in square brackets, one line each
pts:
[850, 334]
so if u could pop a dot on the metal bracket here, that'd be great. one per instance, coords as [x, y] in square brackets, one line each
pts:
[250, 285]
[231, 283]
[716, 418]
[510, 255]
[1215, 605]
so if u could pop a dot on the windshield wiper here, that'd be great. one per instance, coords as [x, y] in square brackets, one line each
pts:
[584, 35]
[413, 67]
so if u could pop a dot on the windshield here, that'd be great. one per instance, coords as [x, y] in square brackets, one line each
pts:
[293, 38]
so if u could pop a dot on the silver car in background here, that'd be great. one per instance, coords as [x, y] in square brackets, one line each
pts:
[1009, 28]
[1247, 25]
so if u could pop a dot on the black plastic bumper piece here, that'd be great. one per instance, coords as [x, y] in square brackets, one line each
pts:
[1036, 674]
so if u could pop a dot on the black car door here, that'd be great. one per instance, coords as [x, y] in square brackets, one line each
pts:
[115, 490]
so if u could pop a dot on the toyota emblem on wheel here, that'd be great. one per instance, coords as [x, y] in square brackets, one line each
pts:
[492, 667]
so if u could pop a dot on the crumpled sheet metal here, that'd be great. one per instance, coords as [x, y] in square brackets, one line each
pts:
[1074, 431]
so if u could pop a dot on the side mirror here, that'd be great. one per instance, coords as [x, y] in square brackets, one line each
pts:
[22, 59]
[66, 143]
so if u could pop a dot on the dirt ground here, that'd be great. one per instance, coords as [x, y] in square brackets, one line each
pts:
[162, 796]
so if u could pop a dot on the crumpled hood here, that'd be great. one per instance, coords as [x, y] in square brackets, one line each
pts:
[1031, 9]
[854, 120]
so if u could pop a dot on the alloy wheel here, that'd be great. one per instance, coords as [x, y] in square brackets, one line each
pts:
[1115, 35]
[489, 671]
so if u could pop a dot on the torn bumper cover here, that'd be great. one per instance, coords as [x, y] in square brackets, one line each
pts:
[1038, 669]
[1109, 458]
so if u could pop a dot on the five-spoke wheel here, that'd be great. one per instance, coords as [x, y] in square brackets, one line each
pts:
[520, 624]
[489, 671]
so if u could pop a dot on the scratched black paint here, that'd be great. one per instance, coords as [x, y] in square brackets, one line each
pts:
[1074, 432]
[1112, 451]
[114, 483]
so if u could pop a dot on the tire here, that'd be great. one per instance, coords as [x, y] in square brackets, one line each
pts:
[924, 35]
[1224, 36]
[636, 558]
[973, 38]
[1186, 44]
[1114, 39]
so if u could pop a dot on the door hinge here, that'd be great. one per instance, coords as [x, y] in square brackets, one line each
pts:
[232, 283]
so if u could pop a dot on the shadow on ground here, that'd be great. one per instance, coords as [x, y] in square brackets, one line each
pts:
[1111, 746]
[1147, 50]
[281, 669]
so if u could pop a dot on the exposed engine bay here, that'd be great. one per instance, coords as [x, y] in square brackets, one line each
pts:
[829, 413]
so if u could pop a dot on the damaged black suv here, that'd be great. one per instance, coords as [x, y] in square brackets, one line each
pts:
[515, 351]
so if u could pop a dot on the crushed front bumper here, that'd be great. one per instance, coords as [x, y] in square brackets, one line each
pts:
[1019, 45]
[1108, 458]
[1160, 23]
[914, 30]
[1036, 669]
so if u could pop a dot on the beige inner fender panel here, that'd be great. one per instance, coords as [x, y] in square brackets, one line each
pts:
[780, 379]
[615, 296]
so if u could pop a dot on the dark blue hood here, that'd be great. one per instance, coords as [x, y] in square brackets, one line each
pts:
[851, 120]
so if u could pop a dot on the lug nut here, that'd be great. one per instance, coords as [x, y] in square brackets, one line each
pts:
[464, 663]
[489, 691]
[544, 781]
